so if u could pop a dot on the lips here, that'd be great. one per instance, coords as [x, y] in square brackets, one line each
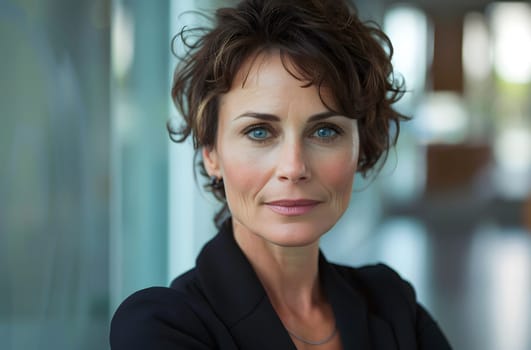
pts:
[292, 207]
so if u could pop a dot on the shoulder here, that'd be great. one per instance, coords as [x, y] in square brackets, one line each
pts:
[161, 318]
[382, 288]
[376, 274]
[390, 297]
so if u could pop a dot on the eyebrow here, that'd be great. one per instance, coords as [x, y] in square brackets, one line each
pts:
[274, 118]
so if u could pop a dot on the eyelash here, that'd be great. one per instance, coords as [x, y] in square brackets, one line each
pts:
[247, 131]
[337, 130]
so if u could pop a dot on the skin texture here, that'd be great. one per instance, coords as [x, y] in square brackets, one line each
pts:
[291, 161]
[286, 155]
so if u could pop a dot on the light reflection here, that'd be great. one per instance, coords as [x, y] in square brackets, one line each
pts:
[407, 27]
[442, 117]
[498, 303]
[513, 149]
[477, 60]
[513, 157]
[511, 24]
[510, 283]
[404, 247]
[122, 40]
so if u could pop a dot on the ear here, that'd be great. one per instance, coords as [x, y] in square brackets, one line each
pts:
[211, 161]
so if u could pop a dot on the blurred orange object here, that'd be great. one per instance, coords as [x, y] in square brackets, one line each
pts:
[454, 167]
[527, 213]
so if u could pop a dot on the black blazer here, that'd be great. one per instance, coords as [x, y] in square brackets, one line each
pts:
[221, 304]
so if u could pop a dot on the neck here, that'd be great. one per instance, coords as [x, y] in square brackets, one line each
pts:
[288, 274]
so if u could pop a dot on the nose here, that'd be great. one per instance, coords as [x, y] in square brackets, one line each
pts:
[292, 163]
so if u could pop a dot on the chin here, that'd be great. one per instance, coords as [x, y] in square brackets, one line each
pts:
[299, 234]
[293, 232]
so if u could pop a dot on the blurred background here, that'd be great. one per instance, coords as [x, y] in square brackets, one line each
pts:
[96, 202]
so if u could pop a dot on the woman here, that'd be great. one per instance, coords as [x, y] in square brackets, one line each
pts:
[285, 100]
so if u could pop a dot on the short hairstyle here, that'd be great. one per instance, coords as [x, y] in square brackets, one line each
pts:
[329, 47]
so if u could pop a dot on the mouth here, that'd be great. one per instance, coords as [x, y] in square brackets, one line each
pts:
[292, 207]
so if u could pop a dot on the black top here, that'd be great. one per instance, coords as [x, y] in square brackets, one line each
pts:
[221, 304]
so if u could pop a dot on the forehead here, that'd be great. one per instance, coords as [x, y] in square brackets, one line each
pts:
[266, 68]
[271, 73]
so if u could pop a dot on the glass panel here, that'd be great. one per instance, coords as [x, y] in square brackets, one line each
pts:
[54, 183]
[139, 164]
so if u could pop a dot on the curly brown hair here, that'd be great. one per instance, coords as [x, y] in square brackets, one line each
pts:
[330, 47]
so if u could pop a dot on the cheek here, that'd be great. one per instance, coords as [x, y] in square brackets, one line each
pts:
[243, 175]
[338, 174]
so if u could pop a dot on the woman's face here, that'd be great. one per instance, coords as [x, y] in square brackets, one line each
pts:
[286, 160]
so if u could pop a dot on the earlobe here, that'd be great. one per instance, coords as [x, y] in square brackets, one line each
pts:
[210, 161]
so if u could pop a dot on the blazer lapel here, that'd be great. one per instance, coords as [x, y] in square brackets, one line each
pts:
[262, 330]
[350, 310]
[238, 298]
[235, 293]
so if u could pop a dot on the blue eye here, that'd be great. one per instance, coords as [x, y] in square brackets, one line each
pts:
[258, 134]
[325, 133]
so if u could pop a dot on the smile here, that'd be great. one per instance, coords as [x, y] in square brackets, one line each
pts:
[292, 207]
